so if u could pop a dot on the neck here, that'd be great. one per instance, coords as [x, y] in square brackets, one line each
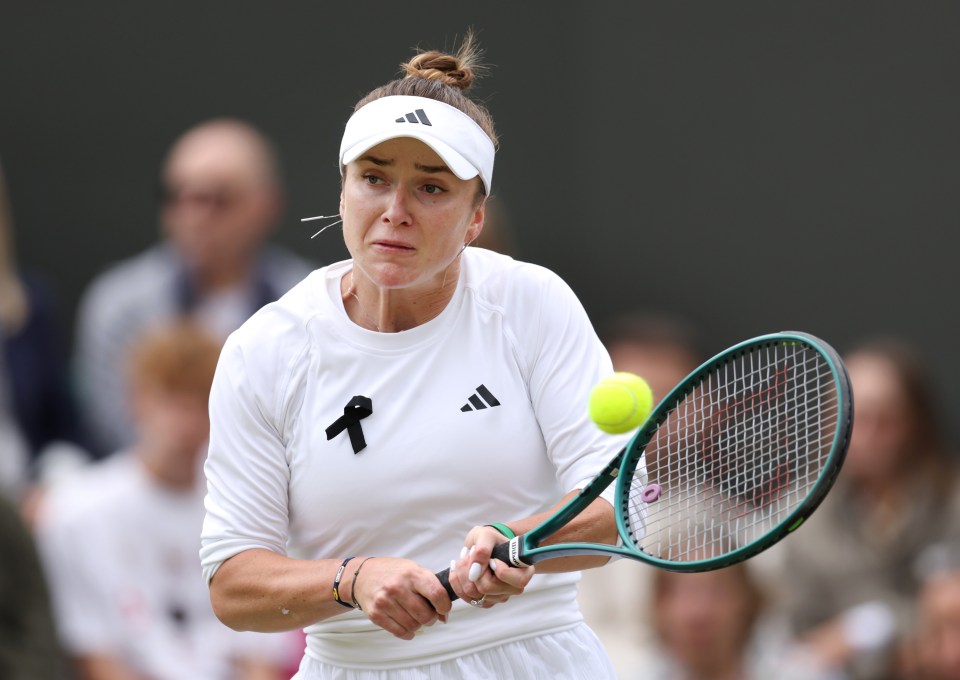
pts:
[388, 310]
[727, 669]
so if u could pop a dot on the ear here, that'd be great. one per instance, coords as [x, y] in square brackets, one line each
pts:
[476, 223]
[341, 200]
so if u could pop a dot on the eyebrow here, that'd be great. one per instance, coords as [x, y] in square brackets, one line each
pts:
[384, 162]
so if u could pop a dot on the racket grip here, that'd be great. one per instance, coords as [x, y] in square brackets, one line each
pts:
[500, 552]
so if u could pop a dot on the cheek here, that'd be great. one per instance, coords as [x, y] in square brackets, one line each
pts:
[350, 229]
[182, 420]
[878, 441]
[189, 430]
[454, 229]
[357, 214]
[681, 609]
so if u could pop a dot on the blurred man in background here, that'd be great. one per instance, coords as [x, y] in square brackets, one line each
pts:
[221, 200]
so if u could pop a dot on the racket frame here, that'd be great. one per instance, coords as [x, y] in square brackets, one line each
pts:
[525, 549]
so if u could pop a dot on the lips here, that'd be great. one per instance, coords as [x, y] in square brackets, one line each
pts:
[397, 246]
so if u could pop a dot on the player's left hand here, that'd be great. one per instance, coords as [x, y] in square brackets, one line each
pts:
[481, 581]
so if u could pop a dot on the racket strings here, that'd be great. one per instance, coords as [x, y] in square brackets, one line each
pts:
[736, 455]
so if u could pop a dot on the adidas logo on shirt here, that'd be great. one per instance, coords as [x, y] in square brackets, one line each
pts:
[480, 399]
[418, 116]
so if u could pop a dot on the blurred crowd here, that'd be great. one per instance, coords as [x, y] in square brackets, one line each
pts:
[102, 445]
[866, 589]
[101, 480]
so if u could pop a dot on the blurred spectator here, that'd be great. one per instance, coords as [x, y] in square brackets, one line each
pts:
[28, 641]
[121, 538]
[934, 654]
[13, 311]
[36, 379]
[662, 349]
[221, 200]
[849, 569]
[710, 626]
[13, 299]
[35, 393]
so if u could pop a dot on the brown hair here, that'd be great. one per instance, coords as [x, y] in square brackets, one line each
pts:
[180, 359]
[655, 329]
[444, 77]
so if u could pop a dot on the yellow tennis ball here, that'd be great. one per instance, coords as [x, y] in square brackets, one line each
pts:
[620, 403]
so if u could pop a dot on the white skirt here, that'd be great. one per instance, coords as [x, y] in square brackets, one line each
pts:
[574, 654]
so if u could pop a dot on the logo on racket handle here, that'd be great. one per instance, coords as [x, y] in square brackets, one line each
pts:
[514, 557]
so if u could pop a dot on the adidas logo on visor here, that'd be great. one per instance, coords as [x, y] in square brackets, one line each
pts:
[462, 144]
[418, 116]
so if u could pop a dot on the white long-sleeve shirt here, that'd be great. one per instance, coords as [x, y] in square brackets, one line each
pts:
[441, 457]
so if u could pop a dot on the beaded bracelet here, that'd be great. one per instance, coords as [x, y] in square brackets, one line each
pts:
[336, 585]
[353, 589]
[503, 529]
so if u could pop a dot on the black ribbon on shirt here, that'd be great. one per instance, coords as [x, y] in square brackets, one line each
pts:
[356, 410]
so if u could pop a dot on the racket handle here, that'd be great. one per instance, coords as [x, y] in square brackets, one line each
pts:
[500, 552]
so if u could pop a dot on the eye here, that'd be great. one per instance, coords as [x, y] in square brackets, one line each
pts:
[372, 179]
[433, 189]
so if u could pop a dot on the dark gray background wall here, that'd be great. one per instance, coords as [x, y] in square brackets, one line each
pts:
[754, 166]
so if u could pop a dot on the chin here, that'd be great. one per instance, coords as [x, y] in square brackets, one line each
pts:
[394, 276]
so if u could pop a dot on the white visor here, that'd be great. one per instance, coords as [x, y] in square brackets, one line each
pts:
[457, 139]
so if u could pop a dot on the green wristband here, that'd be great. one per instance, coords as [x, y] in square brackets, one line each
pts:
[503, 529]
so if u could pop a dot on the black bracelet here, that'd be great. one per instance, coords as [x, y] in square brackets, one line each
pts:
[336, 585]
[353, 588]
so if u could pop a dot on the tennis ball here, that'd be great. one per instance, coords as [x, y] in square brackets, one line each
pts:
[620, 403]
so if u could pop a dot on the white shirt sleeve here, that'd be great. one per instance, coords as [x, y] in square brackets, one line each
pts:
[246, 468]
[567, 360]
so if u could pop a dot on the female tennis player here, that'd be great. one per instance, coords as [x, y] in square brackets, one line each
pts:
[370, 425]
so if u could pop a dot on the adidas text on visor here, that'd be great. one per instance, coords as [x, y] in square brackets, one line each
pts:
[458, 140]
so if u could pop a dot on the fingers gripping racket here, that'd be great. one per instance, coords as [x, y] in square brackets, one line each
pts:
[736, 457]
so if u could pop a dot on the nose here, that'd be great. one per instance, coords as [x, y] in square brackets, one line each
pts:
[188, 219]
[397, 211]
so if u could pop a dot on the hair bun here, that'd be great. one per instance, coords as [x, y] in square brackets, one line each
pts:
[447, 68]
[443, 76]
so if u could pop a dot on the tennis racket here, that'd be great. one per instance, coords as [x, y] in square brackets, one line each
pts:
[736, 457]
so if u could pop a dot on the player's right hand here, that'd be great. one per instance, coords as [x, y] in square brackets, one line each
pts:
[400, 596]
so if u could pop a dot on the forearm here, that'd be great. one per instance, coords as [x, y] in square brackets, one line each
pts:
[259, 590]
[596, 524]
